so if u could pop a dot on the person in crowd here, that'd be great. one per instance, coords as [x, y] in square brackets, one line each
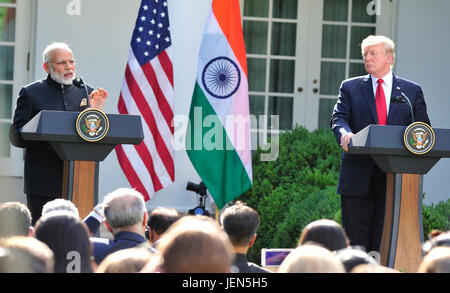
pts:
[60, 204]
[193, 244]
[68, 238]
[130, 260]
[15, 220]
[437, 260]
[22, 254]
[352, 257]
[325, 232]
[309, 258]
[370, 268]
[43, 169]
[440, 239]
[93, 220]
[363, 101]
[158, 222]
[240, 222]
[126, 218]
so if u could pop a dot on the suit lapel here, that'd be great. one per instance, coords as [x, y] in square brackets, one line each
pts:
[367, 88]
[396, 90]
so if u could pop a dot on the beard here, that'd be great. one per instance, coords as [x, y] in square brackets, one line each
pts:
[59, 78]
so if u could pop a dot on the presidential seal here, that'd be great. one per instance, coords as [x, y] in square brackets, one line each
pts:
[92, 125]
[419, 138]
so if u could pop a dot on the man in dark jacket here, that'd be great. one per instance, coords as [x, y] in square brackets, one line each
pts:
[363, 101]
[126, 218]
[241, 222]
[43, 171]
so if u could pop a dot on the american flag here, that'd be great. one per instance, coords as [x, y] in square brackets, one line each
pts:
[147, 90]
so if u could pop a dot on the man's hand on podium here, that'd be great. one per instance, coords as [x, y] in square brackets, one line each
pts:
[345, 140]
[97, 98]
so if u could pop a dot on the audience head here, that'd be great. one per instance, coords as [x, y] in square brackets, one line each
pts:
[159, 220]
[436, 261]
[351, 257]
[20, 254]
[68, 238]
[130, 260]
[125, 208]
[325, 232]
[240, 222]
[370, 268]
[311, 259]
[60, 204]
[15, 220]
[195, 244]
[440, 239]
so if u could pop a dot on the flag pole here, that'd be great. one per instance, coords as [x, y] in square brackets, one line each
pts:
[217, 214]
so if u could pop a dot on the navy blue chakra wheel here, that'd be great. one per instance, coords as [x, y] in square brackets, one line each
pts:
[221, 77]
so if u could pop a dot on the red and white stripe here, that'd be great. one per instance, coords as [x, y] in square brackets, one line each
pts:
[148, 91]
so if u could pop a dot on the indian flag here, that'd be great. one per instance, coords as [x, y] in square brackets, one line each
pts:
[218, 137]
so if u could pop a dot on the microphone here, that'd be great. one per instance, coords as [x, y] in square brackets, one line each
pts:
[403, 99]
[79, 82]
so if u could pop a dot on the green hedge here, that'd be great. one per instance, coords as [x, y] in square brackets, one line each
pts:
[300, 187]
[436, 217]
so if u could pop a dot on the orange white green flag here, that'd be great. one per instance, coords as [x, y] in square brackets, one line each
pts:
[218, 137]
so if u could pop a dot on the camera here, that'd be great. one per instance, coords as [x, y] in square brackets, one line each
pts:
[200, 189]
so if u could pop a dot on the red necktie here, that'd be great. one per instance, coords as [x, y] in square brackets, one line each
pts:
[380, 101]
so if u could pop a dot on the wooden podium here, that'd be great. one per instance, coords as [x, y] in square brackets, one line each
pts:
[81, 158]
[403, 228]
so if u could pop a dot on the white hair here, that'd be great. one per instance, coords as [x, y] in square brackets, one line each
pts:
[46, 55]
[124, 207]
[60, 204]
[389, 46]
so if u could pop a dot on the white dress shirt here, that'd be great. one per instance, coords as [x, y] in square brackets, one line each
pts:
[387, 88]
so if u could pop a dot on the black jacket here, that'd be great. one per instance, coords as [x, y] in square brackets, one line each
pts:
[43, 171]
[244, 266]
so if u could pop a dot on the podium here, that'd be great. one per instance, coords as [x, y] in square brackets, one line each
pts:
[403, 228]
[81, 158]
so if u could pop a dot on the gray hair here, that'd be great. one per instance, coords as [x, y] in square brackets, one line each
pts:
[388, 44]
[124, 207]
[47, 56]
[60, 204]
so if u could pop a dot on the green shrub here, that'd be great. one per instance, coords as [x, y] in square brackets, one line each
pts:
[295, 189]
[436, 217]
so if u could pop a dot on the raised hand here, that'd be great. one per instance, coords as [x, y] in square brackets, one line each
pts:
[97, 98]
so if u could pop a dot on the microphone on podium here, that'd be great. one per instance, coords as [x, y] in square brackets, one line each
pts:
[403, 99]
[79, 82]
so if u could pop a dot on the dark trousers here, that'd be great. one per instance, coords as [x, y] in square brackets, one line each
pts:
[363, 216]
[35, 204]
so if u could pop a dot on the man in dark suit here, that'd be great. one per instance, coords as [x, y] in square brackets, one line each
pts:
[126, 218]
[43, 168]
[362, 101]
[241, 222]
[159, 220]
